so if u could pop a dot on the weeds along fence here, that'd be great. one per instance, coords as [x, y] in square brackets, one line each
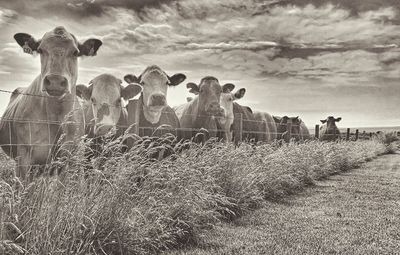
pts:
[242, 129]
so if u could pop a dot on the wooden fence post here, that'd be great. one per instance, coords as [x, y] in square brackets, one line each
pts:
[317, 131]
[357, 134]
[348, 134]
[288, 130]
[238, 128]
[370, 135]
[133, 109]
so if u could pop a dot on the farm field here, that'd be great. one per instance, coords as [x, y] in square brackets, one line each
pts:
[355, 212]
[129, 204]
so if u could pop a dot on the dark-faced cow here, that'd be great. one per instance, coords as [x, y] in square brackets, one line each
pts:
[152, 104]
[329, 131]
[298, 130]
[36, 118]
[202, 111]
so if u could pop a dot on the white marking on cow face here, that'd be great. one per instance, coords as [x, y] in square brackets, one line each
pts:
[227, 104]
[155, 87]
[59, 66]
[106, 102]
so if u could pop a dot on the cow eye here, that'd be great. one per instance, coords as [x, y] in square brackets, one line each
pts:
[76, 53]
[93, 100]
[39, 50]
[118, 102]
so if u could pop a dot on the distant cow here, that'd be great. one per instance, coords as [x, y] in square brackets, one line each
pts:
[202, 111]
[227, 100]
[299, 130]
[153, 108]
[35, 119]
[104, 99]
[268, 126]
[329, 131]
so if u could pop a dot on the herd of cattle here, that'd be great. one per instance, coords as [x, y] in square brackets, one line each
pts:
[53, 106]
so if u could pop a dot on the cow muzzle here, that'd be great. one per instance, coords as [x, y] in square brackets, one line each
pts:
[55, 85]
[215, 109]
[158, 100]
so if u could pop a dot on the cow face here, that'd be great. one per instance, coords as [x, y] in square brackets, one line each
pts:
[331, 123]
[58, 51]
[209, 93]
[105, 94]
[155, 84]
[282, 126]
[227, 99]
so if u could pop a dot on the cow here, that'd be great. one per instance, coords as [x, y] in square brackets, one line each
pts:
[152, 103]
[226, 101]
[34, 120]
[203, 110]
[268, 126]
[104, 104]
[329, 131]
[298, 131]
[251, 130]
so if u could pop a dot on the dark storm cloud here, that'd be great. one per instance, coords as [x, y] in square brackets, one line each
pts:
[79, 8]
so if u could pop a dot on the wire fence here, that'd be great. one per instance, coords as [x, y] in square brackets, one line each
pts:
[242, 129]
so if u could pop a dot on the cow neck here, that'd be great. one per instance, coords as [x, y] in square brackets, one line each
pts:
[151, 116]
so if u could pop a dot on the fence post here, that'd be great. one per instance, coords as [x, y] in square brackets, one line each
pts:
[238, 128]
[317, 131]
[370, 134]
[288, 130]
[357, 134]
[348, 134]
[363, 135]
[133, 109]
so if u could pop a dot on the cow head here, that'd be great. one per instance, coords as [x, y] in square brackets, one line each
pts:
[105, 94]
[282, 126]
[331, 123]
[209, 96]
[155, 84]
[58, 51]
[227, 99]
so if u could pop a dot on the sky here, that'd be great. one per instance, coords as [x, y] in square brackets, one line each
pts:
[307, 58]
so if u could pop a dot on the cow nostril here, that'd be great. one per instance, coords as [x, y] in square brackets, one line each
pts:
[64, 83]
[46, 82]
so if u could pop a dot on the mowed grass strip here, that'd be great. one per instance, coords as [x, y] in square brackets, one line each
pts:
[132, 204]
[355, 212]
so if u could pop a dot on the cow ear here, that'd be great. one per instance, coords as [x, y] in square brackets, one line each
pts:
[27, 42]
[323, 121]
[228, 87]
[131, 91]
[194, 88]
[277, 119]
[240, 93]
[84, 92]
[338, 119]
[188, 99]
[130, 78]
[176, 79]
[89, 47]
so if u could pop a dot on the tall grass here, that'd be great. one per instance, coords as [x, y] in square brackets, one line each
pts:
[132, 204]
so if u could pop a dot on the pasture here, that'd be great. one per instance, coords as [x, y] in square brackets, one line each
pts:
[132, 204]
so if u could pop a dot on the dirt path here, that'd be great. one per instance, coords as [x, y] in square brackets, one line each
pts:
[357, 212]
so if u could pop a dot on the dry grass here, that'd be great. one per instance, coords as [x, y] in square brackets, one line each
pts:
[132, 204]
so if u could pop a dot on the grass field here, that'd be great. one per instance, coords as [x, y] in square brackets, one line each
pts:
[130, 204]
[355, 212]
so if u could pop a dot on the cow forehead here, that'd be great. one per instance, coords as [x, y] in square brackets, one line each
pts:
[211, 84]
[155, 77]
[106, 88]
[226, 96]
[59, 37]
